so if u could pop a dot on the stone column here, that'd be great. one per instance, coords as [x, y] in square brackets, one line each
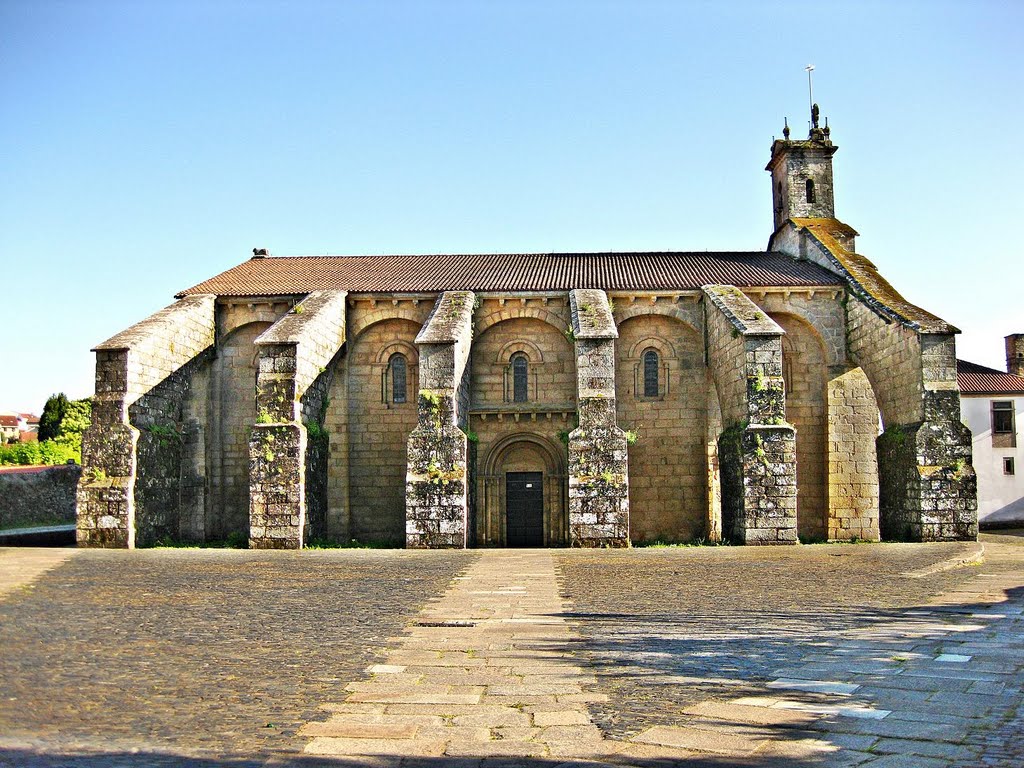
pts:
[757, 450]
[598, 463]
[436, 476]
[295, 357]
[128, 366]
[852, 459]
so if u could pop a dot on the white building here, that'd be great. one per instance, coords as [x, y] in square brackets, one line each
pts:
[992, 406]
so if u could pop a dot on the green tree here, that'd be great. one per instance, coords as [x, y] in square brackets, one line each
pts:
[53, 415]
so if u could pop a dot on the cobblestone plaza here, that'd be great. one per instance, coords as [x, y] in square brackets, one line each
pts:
[824, 655]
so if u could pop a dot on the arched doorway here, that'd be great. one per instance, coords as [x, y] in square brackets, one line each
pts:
[521, 488]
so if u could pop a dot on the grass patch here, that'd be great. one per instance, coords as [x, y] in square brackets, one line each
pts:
[699, 541]
[350, 544]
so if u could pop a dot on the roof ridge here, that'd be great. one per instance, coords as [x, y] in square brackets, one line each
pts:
[512, 253]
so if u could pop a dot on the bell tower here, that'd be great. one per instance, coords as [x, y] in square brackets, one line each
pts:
[802, 174]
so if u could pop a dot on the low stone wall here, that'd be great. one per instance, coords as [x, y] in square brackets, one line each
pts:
[33, 496]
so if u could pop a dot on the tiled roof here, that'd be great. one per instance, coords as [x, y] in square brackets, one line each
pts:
[974, 379]
[274, 276]
[8, 421]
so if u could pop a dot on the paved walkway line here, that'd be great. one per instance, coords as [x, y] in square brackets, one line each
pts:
[20, 566]
[486, 670]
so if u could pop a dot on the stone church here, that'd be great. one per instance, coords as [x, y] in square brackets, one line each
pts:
[541, 400]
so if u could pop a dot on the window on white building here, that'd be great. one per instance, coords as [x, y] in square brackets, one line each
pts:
[1002, 417]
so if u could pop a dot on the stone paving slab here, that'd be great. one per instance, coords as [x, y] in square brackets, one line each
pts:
[505, 615]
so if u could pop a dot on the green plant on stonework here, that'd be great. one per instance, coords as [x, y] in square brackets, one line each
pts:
[432, 400]
[438, 476]
[263, 417]
[314, 430]
[237, 540]
[471, 436]
[894, 436]
[759, 451]
[632, 436]
[298, 309]
[735, 333]
[164, 435]
[611, 305]
[608, 477]
[96, 475]
[570, 334]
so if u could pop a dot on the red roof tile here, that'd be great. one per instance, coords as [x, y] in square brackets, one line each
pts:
[8, 421]
[974, 379]
[275, 276]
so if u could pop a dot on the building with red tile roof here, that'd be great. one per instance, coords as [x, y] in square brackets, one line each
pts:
[992, 404]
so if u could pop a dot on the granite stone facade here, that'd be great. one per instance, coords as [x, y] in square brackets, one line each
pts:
[590, 400]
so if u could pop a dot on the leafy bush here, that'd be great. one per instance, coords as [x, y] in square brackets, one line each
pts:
[60, 434]
[45, 452]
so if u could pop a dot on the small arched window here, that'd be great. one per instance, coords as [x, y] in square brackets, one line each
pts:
[809, 185]
[520, 377]
[651, 366]
[399, 374]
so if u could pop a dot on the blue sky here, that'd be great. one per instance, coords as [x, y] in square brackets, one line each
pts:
[145, 146]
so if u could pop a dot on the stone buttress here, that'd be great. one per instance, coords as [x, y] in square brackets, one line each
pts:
[757, 450]
[598, 463]
[927, 484]
[436, 512]
[287, 446]
[132, 454]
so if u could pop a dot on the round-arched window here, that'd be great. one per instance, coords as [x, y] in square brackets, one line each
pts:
[520, 377]
[651, 366]
[399, 373]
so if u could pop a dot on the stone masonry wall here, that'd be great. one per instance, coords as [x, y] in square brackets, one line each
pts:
[295, 357]
[890, 354]
[668, 462]
[927, 485]
[852, 460]
[757, 450]
[369, 437]
[167, 497]
[437, 475]
[276, 486]
[233, 413]
[552, 371]
[805, 375]
[598, 460]
[127, 367]
[32, 497]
